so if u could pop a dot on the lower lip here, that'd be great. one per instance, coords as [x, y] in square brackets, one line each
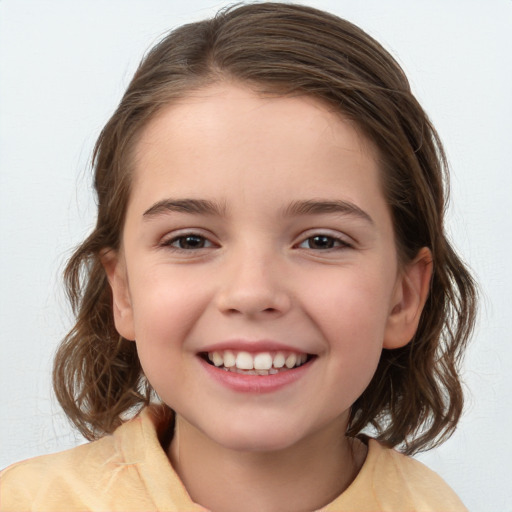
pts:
[256, 383]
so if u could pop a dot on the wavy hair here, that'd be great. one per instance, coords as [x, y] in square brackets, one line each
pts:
[415, 398]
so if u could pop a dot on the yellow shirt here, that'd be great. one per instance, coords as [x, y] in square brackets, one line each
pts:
[129, 471]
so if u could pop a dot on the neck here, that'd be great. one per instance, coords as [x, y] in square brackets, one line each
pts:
[303, 477]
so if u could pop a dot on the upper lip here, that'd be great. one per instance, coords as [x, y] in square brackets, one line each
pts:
[252, 346]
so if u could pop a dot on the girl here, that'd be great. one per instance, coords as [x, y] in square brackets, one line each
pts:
[268, 278]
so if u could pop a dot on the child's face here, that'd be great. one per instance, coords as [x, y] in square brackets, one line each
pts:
[258, 225]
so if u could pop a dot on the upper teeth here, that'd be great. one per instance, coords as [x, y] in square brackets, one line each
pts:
[257, 361]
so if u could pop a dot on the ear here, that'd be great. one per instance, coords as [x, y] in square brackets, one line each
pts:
[115, 267]
[409, 297]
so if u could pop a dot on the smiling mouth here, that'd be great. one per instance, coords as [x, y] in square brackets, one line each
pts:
[260, 363]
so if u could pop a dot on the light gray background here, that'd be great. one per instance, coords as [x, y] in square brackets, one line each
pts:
[63, 68]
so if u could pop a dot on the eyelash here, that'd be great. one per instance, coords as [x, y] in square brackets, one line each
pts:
[335, 243]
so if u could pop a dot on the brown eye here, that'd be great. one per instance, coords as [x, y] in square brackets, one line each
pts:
[323, 242]
[189, 242]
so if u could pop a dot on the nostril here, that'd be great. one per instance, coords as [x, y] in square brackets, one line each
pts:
[252, 312]
[252, 299]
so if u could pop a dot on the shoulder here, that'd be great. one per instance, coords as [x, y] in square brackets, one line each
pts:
[51, 477]
[392, 482]
[400, 480]
[128, 470]
[87, 477]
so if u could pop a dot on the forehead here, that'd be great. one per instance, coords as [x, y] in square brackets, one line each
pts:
[230, 135]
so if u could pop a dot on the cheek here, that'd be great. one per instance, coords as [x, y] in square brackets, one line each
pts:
[164, 312]
[165, 307]
[351, 310]
[354, 304]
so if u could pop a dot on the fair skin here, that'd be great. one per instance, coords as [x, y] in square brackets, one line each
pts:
[258, 225]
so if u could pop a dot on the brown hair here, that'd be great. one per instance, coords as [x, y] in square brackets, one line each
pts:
[415, 398]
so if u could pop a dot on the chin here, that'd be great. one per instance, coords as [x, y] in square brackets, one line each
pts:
[255, 444]
[256, 437]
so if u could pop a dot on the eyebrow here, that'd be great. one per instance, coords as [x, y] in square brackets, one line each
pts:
[296, 208]
[318, 207]
[193, 206]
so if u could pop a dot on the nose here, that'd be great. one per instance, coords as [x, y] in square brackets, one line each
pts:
[253, 284]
